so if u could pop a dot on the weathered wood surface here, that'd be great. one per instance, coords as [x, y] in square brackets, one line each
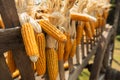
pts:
[4, 71]
[106, 35]
[23, 63]
[9, 14]
[112, 74]
[61, 70]
[10, 39]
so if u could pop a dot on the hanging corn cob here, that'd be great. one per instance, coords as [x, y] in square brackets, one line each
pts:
[52, 63]
[105, 14]
[103, 22]
[88, 31]
[73, 50]
[68, 47]
[100, 22]
[52, 30]
[81, 17]
[1, 23]
[41, 62]
[30, 42]
[51, 58]
[61, 46]
[10, 62]
[79, 31]
[97, 23]
[92, 24]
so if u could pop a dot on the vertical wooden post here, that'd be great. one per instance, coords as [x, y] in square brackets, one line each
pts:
[61, 70]
[10, 18]
[4, 71]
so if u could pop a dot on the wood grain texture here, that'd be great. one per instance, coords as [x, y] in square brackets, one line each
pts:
[4, 70]
[61, 70]
[9, 13]
[10, 39]
[97, 65]
[23, 63]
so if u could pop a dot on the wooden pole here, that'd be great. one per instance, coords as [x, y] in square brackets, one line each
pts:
[10, 18]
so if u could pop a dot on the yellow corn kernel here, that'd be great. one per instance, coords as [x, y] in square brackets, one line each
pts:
[79, 33]
[41, 62]
[68, 47]
[29, 41]
[73, 50]
[52, 63]
[52, 30]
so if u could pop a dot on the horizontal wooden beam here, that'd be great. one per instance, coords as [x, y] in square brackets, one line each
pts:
[10, 39]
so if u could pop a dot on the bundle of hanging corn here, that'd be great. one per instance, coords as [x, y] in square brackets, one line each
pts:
[50, 33]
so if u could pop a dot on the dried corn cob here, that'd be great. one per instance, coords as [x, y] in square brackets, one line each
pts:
[79, 34]
[61, 47]
[101, 21]
[16, 73]
[10, 62]
[81, 17]
[96, 24]
[73, 50]
[88, 30]
[41, 62]
[52, 30]
[105, 14]
[41, 66]
[30, 42]
[1, 23]
[68, 47]
[92, 27]
[52, 63]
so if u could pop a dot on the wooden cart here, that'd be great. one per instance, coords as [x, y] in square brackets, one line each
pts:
[10, 39]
